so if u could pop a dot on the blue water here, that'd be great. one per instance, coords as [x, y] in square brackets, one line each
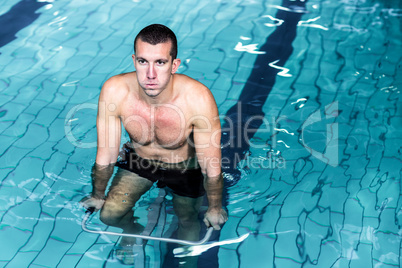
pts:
[319, 186]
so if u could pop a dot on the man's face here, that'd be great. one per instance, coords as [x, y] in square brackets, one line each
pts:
[154, 66]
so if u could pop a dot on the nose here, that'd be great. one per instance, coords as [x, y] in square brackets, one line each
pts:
[151, 74]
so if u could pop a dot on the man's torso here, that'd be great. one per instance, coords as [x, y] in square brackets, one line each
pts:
[159, 131]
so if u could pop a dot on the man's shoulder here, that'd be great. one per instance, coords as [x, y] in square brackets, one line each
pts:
[191, 86]
[117, 85]
[184, 80]
[196, 92]
[119, 80]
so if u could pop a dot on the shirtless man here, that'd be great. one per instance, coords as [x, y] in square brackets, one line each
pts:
[174, 130]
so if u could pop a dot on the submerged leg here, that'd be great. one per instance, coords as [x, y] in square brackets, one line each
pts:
[125, 191]
[187, 209]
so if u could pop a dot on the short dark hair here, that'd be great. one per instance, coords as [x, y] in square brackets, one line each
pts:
[157, 33]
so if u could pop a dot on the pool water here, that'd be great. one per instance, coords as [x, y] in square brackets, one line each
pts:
[318, 184]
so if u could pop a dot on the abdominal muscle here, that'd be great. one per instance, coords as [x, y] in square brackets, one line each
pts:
[165, 155]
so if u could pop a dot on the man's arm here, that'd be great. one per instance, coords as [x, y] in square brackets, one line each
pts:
[207, 138]
[108, 126]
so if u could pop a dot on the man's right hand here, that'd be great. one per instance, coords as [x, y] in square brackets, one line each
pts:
[90, 201]
[215, 218]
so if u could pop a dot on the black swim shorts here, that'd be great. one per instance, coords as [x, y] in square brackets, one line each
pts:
[183, 182]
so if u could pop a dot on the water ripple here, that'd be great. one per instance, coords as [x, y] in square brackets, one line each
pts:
[58, 22]
[307, 23]
[277, 22]
[395, 12]
[362, 10]
[348, 28]
[295, 9]
[284, 71]
[251, 48]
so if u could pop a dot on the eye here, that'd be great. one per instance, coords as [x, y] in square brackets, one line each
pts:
[141, 61]
[160, 62]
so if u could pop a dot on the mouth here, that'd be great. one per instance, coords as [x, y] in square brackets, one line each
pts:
[151, 85]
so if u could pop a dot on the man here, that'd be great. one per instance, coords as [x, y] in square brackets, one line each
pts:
[174, 130]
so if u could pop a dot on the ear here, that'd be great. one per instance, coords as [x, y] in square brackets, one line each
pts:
[134, 62]
[175, 65]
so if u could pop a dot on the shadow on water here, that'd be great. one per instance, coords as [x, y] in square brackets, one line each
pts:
[247, 112]
[18, 17]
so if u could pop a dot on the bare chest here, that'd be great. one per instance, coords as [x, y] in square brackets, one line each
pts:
[165, 125]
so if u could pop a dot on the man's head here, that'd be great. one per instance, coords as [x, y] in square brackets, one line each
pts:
[155, 34]
[155, 59]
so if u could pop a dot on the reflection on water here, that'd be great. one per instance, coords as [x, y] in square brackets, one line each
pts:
[245, 117]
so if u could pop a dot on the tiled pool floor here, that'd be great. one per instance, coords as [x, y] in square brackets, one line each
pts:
[344, 77]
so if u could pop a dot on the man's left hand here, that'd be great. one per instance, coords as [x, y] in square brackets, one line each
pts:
[215, 218]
